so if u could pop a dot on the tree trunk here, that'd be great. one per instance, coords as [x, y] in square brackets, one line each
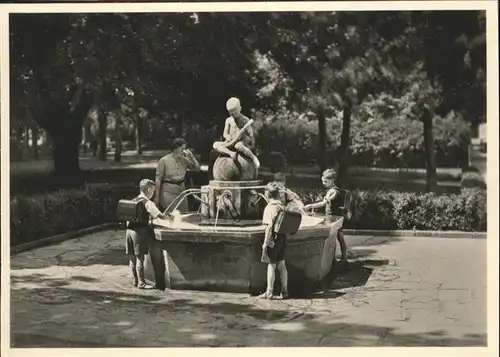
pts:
[118, 138]
[430, 156]
[138, 134]
[34, 146]
[322, 158]
[27, 139]
[66, 143]
[344, 144]
[103, 124]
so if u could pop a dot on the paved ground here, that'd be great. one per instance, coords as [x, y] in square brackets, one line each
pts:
[402, 292]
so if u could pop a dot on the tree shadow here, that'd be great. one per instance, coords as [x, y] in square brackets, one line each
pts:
[111, 256]
[35, 279]
[355, 273]
[274, 317]
[108, 255]
[372, 240]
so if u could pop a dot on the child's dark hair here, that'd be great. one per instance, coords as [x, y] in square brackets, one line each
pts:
[177, 143]
[273, 189]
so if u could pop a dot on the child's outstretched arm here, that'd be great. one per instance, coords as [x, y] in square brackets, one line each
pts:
[154, 212]
[293, 194]
[330, 195]
[315, 205]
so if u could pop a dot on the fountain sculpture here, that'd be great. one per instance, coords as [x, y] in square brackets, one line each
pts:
[218, 248]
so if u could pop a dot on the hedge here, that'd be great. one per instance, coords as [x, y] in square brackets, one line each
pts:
[390, 143]
[43, 215]
[379, 210]
[473, 179]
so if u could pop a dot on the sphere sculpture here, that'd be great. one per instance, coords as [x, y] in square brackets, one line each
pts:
[227, 169]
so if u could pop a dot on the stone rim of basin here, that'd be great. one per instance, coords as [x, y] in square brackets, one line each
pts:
[191, 222]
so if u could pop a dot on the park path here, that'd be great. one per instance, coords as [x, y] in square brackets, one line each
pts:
[397, 292]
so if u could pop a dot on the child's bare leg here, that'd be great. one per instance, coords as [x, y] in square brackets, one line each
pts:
[271, 276]
[284, 278]
[140, 271]
[221, 147]
[131, 263]
[241, 148]
[343, 246]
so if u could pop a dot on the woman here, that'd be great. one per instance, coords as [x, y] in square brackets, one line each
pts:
[171, 173]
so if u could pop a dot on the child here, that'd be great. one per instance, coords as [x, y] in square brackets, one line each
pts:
[232, 145]
[138, 234]
[332, 207]
[289, 198]
[274, 246]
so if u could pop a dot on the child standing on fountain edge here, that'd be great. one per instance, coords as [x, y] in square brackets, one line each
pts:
[140, 232]
[274, 246]
[332, 203]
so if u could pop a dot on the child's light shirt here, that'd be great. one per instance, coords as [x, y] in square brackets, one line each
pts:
[271, 211]
[150, 206]
[331, 193]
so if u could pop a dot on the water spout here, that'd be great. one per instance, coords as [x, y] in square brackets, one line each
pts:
[260, 196]
[183, 195]
[226, 195]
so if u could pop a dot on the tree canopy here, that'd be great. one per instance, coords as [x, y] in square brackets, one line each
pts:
[179, 68]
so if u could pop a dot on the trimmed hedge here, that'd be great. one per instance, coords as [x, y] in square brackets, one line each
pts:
[43, 215]
[381, 210]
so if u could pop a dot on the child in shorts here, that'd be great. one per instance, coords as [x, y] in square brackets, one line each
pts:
[139, 234]
[274, 246]
[290, 199]
[332, 205]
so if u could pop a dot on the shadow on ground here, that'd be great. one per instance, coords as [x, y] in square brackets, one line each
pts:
[238, 315]
[112, 252]
[332, 334]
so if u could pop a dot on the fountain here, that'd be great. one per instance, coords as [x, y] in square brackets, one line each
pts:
[218, 248]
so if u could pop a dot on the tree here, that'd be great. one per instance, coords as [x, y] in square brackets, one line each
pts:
[455, 57]
[453, 48]
[58, 106]
[335, 60]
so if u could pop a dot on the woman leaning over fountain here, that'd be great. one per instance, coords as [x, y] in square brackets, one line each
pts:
[171, 173]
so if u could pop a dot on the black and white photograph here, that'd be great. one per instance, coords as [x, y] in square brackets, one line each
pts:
[244, 175]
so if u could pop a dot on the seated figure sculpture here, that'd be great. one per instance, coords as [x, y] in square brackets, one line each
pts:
[237, 161]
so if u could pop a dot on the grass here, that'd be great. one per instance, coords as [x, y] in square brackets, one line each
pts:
[402, 180]
[148, 159]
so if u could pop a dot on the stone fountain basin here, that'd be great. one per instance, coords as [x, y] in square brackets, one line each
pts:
[188, 256]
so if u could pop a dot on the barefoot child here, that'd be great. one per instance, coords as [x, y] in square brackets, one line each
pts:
[235, 142]
[332, 203]
[139, 233]
[274, 246]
